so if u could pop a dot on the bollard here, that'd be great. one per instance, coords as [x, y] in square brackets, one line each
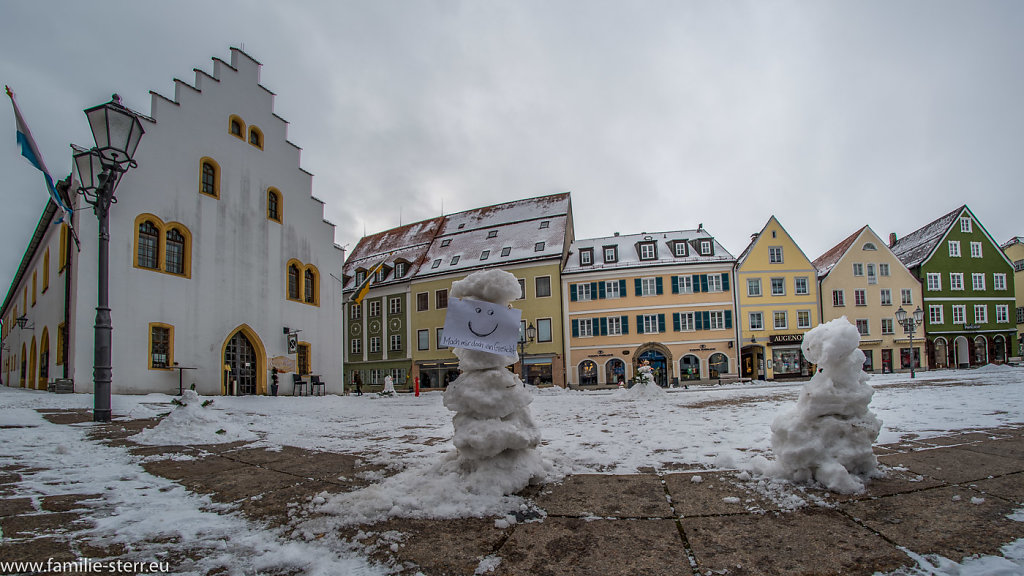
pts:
[416, 386]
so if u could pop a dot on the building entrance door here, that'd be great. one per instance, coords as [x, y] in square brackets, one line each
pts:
[240, 356]
[659, 367]
[887, 361]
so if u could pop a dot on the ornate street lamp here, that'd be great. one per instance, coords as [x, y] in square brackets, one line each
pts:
[117, 132]
[531, 333]
[22, 322]
[910, 324]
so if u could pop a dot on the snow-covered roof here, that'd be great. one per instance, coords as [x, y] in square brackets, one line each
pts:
[914, 248]
[407, 243]
[628, 251]
[829, 259]
[523, 230]
[1012, 241]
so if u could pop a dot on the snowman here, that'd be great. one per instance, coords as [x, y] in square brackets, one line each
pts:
[495, 435]
[827, 437]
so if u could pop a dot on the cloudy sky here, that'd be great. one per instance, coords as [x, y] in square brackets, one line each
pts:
[655, 115]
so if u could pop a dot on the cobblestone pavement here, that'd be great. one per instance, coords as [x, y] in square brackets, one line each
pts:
[950, 495]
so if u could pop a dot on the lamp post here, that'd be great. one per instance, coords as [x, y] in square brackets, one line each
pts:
[910, 324]
[117, 132]
[531, 333]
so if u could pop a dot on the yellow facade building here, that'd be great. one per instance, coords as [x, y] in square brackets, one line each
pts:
[665, 299]
[1014, 250]
[860, 278]
[777, 289]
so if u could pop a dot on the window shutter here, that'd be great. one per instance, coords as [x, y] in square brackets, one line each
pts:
[698, 320]
[725, 282]
[625, 323]
[675, 284]
[661, 322]
[575, 328]
[594, 294]
[572, 294]
[707, 319]
[622, 288]
[728, 319]
[658, 286]
[600, 290]
[639, 323]
[604, 326]
[675, 321]
[696, 282]
[703, 283]
[636, 287]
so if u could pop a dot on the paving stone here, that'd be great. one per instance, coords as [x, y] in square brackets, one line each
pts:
[28, 525]
[594, 548]
[713, 494]
[1010, 487]
[69, 502]
[67, 416]
[895, 481]
[941, 521]
[232, 485]
[626, 496]
[954, 465]
[36, 550]
[179, 469]
[815, 541]
[1006, 447]
[427, 545]
[960, 439]
[15, 506]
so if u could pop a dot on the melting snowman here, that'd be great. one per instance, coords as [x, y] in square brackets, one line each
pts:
[495, 435]
[827, 437]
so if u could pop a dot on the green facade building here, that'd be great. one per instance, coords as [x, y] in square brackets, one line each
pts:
[968, 290]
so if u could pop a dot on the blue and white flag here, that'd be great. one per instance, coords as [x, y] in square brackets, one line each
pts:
[29, 150]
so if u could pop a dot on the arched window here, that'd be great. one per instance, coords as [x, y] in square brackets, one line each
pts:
[209, 177]
[689, 367]
[24, 359]
[273, 204]
[256, 137]
[980, 350]
[588, 373]
[236, 127]
[940, 359]
[175, 252]
[149, 246]
[614, 371]
[718, 364]
[293, 281]
[44, 360]
[309, 286]
[32, 364]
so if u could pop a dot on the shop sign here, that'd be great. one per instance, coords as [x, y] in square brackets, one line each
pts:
[785, 338]
[703, 348]
[972, 326]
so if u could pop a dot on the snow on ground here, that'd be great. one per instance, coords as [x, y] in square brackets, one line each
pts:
[700, 428]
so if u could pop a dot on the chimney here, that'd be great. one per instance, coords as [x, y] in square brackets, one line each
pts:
[616, 234]
[892, 239]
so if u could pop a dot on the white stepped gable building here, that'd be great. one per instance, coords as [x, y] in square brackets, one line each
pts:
[217, 247]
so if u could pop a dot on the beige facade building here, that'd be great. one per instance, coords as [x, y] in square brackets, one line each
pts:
[860, 278]
[1014, 250]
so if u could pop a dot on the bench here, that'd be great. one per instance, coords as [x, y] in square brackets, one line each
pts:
[314, 383]
[299, 385]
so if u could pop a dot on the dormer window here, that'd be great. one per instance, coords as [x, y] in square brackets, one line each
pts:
[455, 260]
[538, 247]
[360, 276]
[446, 242]
[705, 247]
[436, 263]
[545, 224]
[611, 254]
[492, 234]
[400, 269]
[506, 250]
[586, 256]
[485, 254]
[680, 249]
[648, 251]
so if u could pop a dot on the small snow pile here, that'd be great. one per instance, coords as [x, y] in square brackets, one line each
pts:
[389, 386]
[644, 386]
[194, 422]
[827, 438]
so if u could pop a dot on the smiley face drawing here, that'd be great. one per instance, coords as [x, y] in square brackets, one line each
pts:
[483, 319]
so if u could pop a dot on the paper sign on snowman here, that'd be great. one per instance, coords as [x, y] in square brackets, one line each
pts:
[483, 326]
